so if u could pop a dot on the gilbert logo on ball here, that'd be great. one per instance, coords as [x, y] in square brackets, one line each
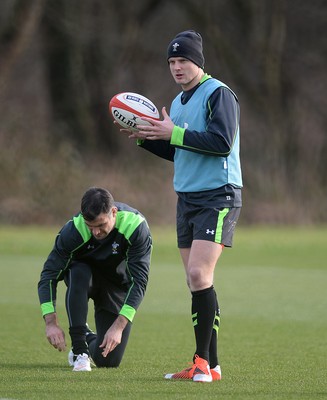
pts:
[128, 108]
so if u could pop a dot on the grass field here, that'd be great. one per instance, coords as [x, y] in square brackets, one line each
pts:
[273, 339]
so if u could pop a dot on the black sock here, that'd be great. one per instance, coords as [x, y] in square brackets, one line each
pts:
[78, 337]
[91, 342]
[203, 314]
[213, 349]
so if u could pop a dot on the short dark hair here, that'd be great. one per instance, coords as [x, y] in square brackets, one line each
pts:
[96, 201]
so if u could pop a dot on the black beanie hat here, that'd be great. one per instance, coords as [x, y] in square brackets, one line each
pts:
[187, 44]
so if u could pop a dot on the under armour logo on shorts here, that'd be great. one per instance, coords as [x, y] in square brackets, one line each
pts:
[210, 232]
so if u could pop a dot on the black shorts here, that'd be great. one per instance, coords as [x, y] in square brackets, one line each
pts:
[214, 224]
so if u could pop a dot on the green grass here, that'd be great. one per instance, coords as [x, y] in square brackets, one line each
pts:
[272, 292]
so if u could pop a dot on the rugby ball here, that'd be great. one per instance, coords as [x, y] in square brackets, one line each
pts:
[128, 108]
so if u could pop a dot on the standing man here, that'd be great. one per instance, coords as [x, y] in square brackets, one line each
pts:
[201, 137]
[102, 253]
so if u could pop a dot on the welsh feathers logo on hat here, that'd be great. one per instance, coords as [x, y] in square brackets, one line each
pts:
[187, 44]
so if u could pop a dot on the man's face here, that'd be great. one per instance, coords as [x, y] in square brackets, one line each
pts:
[103, 224]
[185, 72]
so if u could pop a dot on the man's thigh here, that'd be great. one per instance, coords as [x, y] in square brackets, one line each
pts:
[208, 224]
[215, 225]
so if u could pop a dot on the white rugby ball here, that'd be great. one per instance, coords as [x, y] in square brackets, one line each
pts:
[128, 108]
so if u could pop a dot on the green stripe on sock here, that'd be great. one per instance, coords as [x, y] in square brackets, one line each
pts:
[195, 319]
[216, 323]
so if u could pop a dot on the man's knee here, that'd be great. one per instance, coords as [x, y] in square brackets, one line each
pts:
[81, 274]
[111, 361]
[81, 270]
[197, 278]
